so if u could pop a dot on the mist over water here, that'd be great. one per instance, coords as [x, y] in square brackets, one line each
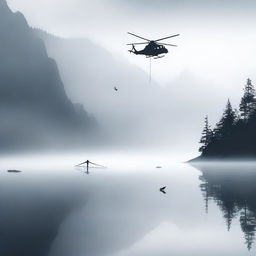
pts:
[60, 210]
[67, 100]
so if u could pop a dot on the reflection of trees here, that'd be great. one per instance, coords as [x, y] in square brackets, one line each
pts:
[248, 225]
[233, 190]
[216, 193]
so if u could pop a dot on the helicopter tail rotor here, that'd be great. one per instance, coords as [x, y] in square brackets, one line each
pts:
[133, 50]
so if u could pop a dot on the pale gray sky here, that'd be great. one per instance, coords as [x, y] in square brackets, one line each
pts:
[217, 37]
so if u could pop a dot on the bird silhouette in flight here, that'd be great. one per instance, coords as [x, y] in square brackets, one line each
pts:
[116, 89]
[163, 190]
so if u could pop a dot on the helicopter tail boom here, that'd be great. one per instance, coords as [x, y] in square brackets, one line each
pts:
[133, 50]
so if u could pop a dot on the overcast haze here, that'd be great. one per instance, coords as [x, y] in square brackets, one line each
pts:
[215, 35]
[215, 54]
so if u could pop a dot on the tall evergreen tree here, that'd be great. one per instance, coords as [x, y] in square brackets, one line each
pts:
[226, 123]
[206, 135]
[247, 104]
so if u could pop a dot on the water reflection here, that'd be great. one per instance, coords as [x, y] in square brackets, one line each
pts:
[62, 211]
[32, 207]
[232, 187]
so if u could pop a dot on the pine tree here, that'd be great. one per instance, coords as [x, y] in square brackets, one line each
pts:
[247, 104]
[206, 135]
[226, 123]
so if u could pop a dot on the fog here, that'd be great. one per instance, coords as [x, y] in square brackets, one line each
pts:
[59, 65]
[119, 210]
[216, 38]
[214, 57]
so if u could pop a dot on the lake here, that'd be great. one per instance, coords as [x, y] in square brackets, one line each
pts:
[53, 208]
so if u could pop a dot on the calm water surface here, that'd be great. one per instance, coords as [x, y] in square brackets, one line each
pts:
[59, 210]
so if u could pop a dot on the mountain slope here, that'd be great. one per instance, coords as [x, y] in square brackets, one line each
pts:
[139, 114]
[132, 115]
[34, 108]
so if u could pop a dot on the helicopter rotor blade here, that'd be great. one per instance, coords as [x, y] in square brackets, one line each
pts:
[139, 36]
[174, 45]
[137, 43]
[166, 38]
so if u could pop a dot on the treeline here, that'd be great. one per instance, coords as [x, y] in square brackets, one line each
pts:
[235, 134]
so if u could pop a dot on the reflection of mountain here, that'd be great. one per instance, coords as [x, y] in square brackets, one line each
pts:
[232, 188]
[32, 211]
[34, 107]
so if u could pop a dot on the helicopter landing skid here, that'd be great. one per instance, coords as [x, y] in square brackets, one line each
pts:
[158, 57]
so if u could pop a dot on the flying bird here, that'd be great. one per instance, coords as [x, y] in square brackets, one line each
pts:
[116, 89]
[163, 190]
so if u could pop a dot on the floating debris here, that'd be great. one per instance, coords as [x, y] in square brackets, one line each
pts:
[87, 162]
[163, 190]
[14, 171]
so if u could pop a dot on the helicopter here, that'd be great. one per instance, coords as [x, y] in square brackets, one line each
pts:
[153, 48]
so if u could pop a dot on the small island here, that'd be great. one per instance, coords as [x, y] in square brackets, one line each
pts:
[234, 136]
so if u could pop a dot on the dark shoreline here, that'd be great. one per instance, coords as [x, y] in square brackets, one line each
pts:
[201, 159]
